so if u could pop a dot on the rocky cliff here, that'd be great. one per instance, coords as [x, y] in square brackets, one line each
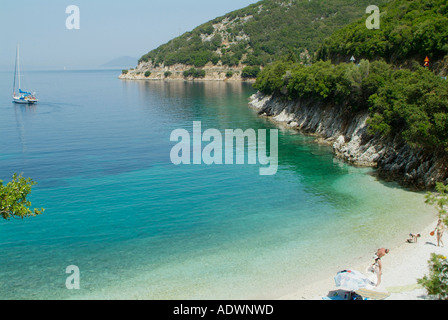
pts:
[349, 137]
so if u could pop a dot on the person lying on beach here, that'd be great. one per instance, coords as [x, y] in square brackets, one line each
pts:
[414, 238]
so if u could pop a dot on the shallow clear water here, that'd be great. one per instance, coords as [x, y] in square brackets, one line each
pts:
[139, 227]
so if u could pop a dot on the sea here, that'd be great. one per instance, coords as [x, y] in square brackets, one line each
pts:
[122, 221]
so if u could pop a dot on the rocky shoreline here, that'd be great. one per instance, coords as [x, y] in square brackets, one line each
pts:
[347, 134]
[176, 72]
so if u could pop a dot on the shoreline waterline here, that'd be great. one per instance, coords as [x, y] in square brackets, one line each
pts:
[402, 267]
[279, 254]
[318, 288]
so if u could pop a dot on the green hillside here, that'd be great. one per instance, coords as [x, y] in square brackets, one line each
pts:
[411, 102]
[409, 30]
[260, 33]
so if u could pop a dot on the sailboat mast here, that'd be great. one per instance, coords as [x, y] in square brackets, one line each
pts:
[15, 72]
[18, 65]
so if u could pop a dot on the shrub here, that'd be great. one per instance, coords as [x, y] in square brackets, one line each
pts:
[124, 71]
[250, 72]
[436, 283]
[207, 29]
[230, 60]
[195, 73]
[147, 74]
[229, 74]
[167, 74]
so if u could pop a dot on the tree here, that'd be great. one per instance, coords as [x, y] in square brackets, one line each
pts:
[250, 72]
[439, 200]
[13, 198]
[195, 73]
[436, 283]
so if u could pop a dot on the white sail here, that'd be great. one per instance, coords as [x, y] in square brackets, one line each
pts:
[22, 97]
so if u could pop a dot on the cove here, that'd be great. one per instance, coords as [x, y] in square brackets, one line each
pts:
[140, 227]
[215, 147]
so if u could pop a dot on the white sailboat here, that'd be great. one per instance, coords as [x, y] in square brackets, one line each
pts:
[22, 97]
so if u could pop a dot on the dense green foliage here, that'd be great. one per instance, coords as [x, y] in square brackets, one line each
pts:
[13, 198]
[260, 33]
[415, 103]
[408, 30]
[411, 103]
[334, 84]
[250, 72]
[436, 283]
[195, 73]
[147, 74]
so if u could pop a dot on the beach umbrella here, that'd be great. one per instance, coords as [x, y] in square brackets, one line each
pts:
[351, 280]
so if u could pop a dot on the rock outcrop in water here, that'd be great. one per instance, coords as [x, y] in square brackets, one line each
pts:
[349, 137]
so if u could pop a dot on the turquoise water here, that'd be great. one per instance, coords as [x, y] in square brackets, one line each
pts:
[139, 227]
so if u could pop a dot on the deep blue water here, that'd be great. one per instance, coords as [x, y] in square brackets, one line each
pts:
[138, 226]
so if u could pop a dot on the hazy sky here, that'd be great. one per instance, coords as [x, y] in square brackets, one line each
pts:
[108, 29]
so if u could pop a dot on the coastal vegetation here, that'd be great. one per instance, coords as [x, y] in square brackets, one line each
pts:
[410, 31]
[13, 198]
[440, 200]
[259, 34]
[250, 72]
[402, 97]
[195, 73]
[413, 104]
[436, 282]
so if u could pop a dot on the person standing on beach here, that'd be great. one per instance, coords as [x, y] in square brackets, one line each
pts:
[378, 265]
[440, 228]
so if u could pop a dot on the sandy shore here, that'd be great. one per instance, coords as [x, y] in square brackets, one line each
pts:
[401, 269]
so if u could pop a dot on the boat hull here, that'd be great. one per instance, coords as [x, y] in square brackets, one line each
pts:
[24, 101]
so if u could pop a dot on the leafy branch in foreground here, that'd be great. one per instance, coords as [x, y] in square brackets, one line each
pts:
[13, 198]
[439, 200]
[436, 283]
